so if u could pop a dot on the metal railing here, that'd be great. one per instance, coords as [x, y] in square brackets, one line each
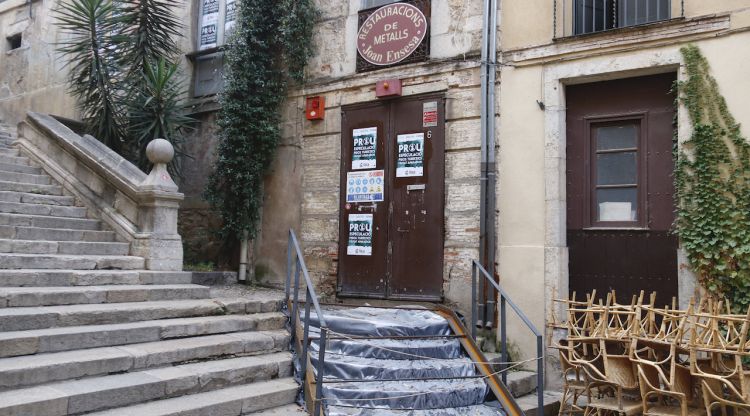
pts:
[580, 17]
[489, 293]
[296, 258]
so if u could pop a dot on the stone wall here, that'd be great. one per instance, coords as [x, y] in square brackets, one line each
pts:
[32, 77]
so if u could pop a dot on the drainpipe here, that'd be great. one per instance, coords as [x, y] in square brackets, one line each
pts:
[487, 176]
[242, 274]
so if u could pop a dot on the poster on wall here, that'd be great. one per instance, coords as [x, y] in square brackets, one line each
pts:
[365, 186]
[365, 144]
[209, 25]
[410, 161]
[229, 18]
[360, 235]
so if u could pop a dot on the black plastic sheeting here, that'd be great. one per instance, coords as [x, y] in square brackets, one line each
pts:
[369, 374]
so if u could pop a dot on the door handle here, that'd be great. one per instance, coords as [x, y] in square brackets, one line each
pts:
[401, 231]
[372, 206]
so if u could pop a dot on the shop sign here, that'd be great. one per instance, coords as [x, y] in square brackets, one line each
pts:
[391, 33]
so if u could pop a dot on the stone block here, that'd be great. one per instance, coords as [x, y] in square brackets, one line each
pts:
[463, 164]
[37, 401]
[463, 134]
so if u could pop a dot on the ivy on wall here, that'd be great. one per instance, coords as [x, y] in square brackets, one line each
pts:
[269, 49]
[713, 187]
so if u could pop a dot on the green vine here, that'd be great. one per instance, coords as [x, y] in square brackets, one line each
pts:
[269, 48]
[713, 187]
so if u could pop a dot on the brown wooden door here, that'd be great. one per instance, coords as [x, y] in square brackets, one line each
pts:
[406, 256]
[620, 192]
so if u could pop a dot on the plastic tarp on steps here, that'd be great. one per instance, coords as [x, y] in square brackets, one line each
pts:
[428, 394]
[371, 370]
[381, 322]
[394, 349]
[479, 410]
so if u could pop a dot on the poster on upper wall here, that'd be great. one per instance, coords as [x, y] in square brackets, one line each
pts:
[410, 161]
[229, 18]
[209, 35]
[360, 235]
[365, 144]
[366, 186]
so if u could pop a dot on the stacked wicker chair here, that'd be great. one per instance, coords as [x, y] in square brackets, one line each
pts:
[637, 358]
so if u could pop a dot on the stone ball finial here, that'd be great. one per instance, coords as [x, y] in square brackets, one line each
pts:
[159, 151]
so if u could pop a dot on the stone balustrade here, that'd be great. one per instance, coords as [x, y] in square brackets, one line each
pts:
[141, 209]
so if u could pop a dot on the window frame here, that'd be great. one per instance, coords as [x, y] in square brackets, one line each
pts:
[613, 15]
[591, 217]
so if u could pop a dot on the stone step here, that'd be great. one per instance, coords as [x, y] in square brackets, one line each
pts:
[231, 401]
[19, 319]
[287, 410]
[98, 393]
[63, 247]
[36, 369]
[69, 261]
[7, 167]
[11, 297]
[38, 341]
[55, 234]
[25, 178]
[530, 405]
[27, 187]
[15, 160]
[8, 151]
[41, 209]
[29, 198]
[46, 278]
[44, 221]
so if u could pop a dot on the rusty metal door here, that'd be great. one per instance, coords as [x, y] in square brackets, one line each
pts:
[363, 274]
[417, 271]
[620, 192]
[406, 258]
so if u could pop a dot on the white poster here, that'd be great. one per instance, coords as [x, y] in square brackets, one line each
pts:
[410, 161]
[366, 186]
[229, 18]
[209, 36]
[360, 235]
[365, 145]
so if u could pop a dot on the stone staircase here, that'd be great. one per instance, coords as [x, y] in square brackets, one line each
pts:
[84, 329]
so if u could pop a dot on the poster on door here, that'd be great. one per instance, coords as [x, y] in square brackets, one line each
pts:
[410, 161]
[360, 235]
[366, 186]
[365, 144]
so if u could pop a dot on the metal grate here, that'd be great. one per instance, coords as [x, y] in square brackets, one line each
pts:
[578, 17]
[422, 53]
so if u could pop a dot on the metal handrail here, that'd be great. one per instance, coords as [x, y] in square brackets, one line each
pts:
[505, 299]
[295, 254]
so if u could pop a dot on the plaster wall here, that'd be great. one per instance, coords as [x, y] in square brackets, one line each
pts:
[33, 76]
[528, 23]
[533, 264]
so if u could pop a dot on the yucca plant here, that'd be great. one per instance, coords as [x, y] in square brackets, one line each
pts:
[124, 73]
[92, 38]
[155, 112]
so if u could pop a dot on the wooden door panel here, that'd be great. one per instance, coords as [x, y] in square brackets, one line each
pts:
[364, 275]
[619, 255]
[418, 207]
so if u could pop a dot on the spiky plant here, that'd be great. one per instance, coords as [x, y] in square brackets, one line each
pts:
[91, 40]
[155, 111]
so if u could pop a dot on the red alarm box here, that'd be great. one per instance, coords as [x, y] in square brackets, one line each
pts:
[315, 108]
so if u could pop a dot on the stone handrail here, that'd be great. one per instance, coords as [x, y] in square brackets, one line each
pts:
[141, 209]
